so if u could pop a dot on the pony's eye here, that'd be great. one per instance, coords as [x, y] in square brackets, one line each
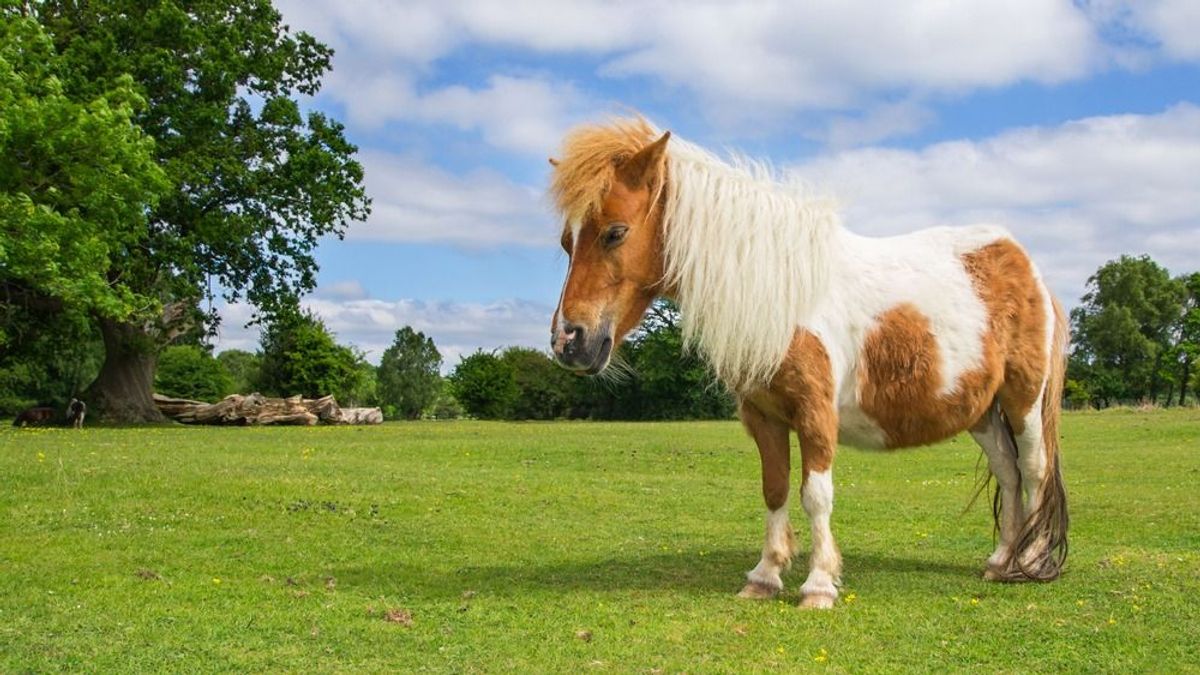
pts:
[615, 235]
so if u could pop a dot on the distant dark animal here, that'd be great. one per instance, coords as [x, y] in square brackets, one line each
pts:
[76, 411]
[39, 416]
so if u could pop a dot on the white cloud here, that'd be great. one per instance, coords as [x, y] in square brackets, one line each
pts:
[350, 289]
[885, 121]
[526, 115]
[384, 52]
[741, 59]
[1076, 194]
[457, 328]
[522, 114]
[416, 202]
[1174, 23]
[836, 54]
[1168, 27]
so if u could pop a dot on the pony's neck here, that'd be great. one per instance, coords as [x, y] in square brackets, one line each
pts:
[747, 259]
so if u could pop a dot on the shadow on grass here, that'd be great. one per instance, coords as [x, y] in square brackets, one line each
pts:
[717, 572]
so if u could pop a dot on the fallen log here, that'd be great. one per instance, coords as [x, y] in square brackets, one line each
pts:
[256, 409]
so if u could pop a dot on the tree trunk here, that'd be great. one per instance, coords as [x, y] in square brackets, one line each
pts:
[1183, 383]
[124, 390]
[1154, 378]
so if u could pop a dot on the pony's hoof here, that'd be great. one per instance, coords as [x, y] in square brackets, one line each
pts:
[757, 591]
[1003, 573]
[818, 601]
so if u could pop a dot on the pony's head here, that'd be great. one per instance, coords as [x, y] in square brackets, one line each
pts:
[609, 187]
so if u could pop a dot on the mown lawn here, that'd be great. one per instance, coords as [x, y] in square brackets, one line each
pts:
[568, 547]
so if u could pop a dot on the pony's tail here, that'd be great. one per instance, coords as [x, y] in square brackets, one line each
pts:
[1041, 547]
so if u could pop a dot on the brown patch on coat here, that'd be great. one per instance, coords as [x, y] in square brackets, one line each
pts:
[1004, 279]
[899, 378]
[800, 395]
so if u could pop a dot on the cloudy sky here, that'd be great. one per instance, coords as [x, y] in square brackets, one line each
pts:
[1075, 124]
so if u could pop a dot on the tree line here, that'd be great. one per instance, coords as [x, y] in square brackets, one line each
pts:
[1135, 340]
[655, 378]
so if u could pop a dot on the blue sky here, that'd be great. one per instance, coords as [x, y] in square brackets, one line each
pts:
[1075, 124]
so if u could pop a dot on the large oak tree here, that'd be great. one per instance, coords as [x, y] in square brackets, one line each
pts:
[254, 181]
[77, 178]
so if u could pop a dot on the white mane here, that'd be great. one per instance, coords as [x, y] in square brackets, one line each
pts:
[747, 257]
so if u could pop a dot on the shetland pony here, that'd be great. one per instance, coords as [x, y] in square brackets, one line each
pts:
[875, 342]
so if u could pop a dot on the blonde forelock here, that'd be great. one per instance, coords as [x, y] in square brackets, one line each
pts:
[587, 166]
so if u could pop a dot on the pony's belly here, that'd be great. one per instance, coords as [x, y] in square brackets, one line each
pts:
[920, 422]
[856, 428]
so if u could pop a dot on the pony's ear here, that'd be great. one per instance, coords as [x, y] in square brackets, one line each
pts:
[638, 171]
[553, 162]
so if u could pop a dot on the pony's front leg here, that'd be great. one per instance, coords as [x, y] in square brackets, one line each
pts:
[825, 566]
[771, 436]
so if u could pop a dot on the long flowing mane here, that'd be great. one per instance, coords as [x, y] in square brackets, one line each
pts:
[746, 254]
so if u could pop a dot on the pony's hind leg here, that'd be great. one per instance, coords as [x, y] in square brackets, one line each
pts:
[1043, 530]
[992, 434]
[771, 436]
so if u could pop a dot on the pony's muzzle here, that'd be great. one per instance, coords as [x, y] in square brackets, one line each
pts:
[580, 350]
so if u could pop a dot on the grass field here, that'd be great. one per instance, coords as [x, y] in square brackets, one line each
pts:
[474, 546]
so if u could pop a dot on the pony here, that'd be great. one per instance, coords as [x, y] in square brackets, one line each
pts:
[874, 342]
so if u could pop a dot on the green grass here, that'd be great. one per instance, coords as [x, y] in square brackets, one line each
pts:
[282, 549]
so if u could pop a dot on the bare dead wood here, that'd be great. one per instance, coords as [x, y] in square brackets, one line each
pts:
[256, 409]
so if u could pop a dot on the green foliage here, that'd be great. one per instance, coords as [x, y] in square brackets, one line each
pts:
[445, 406]
[1076, 394]
[1185, 352]
[301, 357]
[242, 367]
[544, 390]
[60, 354]
[1123, 330]
[664, 380]
[409, 378]
[673, 382]
[364, 389]
[77, 177]
[189, 371]
[255, 183]
[148, 150]
[485, 385]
